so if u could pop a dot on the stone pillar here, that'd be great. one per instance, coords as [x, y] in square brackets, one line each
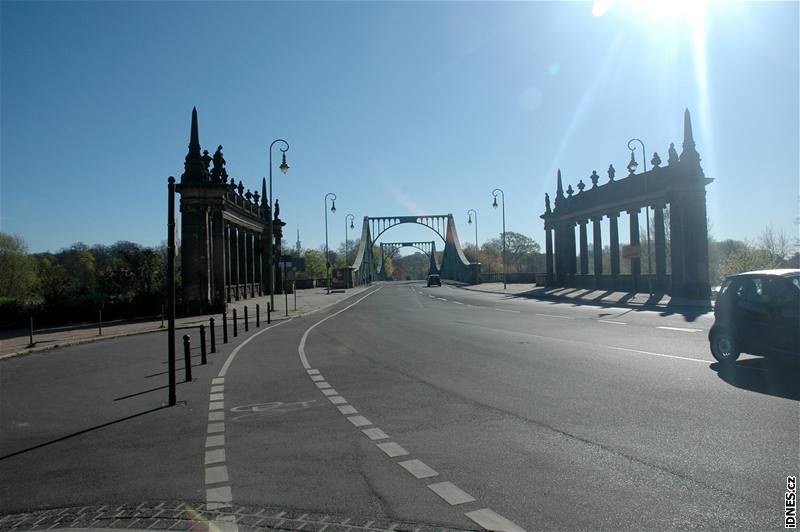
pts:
[253, 264]
[692, 244]
[238, 266]
[636, 263]
[228, 269]
[548, 254]
[661, 248]
[584, 248]
[559, 254]
[195, 261]
[598, 251]
[258, 264]
[572, 268]
[614, 248]
[218, 255]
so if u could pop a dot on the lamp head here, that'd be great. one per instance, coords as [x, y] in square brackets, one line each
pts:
[333, 205]
[351, 225]
[284, 167]
[470, 219]
[633, 165]
[494, 205]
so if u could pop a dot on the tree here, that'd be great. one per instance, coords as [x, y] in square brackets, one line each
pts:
[521, 251]
[18, 278]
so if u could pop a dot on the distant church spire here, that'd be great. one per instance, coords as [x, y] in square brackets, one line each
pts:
[297, 245]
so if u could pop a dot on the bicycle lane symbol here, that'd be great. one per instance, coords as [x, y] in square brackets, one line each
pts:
[272, 409]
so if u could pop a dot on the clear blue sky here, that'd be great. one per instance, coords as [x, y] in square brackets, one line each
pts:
[398, 108]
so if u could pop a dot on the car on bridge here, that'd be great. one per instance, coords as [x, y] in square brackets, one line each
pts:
[434, 279]
[758, 313]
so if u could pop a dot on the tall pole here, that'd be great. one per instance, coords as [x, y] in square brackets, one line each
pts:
[271, 258]
[327, 254]
[469, 213]
[503, 198]
[647, 214]
[346, 257]
[171, 289]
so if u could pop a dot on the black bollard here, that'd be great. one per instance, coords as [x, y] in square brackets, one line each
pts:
[235, 325]
[99, 323]
[31, 331]
[258, 315]
[213, 335]
[246, 324]
[224, 327]
[187, 359]
[269, 313]
[203, 359]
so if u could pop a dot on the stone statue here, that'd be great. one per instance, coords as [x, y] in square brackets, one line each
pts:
[219, 165]
[673, 155]
[611, 172]
[277, 209]
[206, 160]
[546, 202]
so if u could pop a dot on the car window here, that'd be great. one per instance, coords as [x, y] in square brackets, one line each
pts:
[725, 285]
[751, 290]
[782, 291]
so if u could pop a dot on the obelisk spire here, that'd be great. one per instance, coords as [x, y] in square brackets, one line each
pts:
[689, 155]
[193, 169]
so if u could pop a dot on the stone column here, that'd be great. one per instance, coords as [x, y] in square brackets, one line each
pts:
[614, 245]
[228, 270]
[584, 248]
[636, 263]
[238, 272]
[572, 268]
[661, 247]
[253, 264]
[548, 254]
[598, 251]
[218, 260]
[558, 233]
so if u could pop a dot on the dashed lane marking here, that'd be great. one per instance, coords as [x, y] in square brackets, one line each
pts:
[451, 493]
[654, 354]
[323, 385]
[556, 316]
[329, 391]
[215, 441]
[217, 389]
[418, 468]
[317, 378]
[441, 299]
[392, 449]
[216, 474]
[217, 397]
[613, 322]
[313, 372]
[457, 302]
[337, 400]
[213, 428]
[218, 415]
[347, 410]
[506, 310]
[493, 521]
[217, 405]
[375, 434]
[215, 456]
[682, 329]
[359, 421]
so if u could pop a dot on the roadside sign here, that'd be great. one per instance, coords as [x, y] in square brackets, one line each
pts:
[631, 252]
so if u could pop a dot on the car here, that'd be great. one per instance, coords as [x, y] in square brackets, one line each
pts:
[757, 313]
[434, 279]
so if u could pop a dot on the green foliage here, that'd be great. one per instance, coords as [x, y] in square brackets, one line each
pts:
[18, 278]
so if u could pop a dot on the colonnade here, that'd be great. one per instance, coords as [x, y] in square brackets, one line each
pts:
[244, 263]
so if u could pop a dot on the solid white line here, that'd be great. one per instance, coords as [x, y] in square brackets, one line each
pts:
[392, 449]
[556, 316]
[613, 322]
[451, 493]
[493, 521]
[506, 310]
[682, 329]
[216, 474]
[301, 349]
[359, 421]
[656, 354]
[418, 468]
[235, 352]
[375, 433]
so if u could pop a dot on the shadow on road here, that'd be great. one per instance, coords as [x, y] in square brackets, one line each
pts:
[84, 431]
[771, 376]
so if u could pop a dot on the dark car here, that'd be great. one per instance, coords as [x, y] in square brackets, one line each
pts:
[434, 279]
[757, 313]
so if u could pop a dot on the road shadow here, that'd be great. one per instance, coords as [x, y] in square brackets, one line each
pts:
[84, 431]
[770, 376]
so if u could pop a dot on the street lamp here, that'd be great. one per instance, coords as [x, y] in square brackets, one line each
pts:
[494, 205]
[351, 218]
[271, 259]
[470, 213]
[632, 166]
[327, 255]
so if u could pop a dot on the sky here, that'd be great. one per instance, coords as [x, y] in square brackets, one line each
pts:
[399, 108]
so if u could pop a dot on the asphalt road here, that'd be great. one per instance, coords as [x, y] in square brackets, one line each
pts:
[512, 412]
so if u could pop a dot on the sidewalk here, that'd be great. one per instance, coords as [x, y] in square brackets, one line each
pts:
[586, 295]
[15, 342]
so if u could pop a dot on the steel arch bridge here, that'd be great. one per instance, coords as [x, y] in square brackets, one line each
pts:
[454, 264]
[390, 249]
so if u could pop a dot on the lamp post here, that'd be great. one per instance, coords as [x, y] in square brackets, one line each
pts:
[632, 166]
[470, 213]
[271, 259]
[494, 205]
[327, 255]
[351, 218]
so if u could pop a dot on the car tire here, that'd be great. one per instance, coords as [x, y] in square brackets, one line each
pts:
[723, 347]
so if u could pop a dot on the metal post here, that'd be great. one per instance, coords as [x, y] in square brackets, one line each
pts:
[647, 216]
[503, 197]
[246, 320]
[203, 359]
[285, 293]
[187, 358]
[162, 317]
[284, 168]
[171, 290]
[269, 313]
[31, 332]
[99, 322]
[327, 253]
[258, 315]
[213, 335]
[224, 327]
[294, 291]
[235, 325]
[469, 213]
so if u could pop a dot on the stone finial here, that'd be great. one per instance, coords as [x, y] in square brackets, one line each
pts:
[240, 188]
[570, 192]
[672, 156]
[547, 203]
[581, 186]
[656, 160]
[611, 172]
[595, 178]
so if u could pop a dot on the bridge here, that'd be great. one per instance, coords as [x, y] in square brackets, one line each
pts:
[454, 264]
[390, 249]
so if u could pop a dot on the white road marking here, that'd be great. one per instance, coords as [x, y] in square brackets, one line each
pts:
[556, 316]
[451, 493]
[655, 354]
[215, 456]
[506, 310]
[215, 441]
[431, 296]
[347, 410]
[493, 521]
[613, 322]
[418, 468]
[216, 427]
[218, 389]
[457, 302]
[392, 449]
[218, 405]
[218, 380]
[216, 474]
[218, 415]
[235, 352]
[329, 391]
[322, 385]
[682, 329]
[219, 495]
[301, 349]
[337, 400]
[359, 421]
[313, 372]
[375, 433]
[217, 397]
[317, 378]
[441, 299]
